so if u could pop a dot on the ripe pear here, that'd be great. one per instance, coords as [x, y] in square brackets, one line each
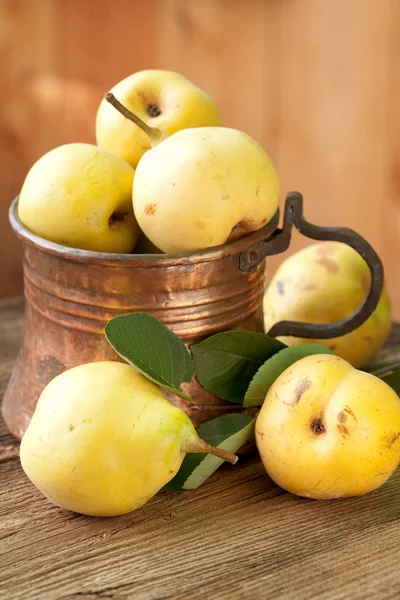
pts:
[164, 99]
[324, 283]
[103, 440]
[79, 195]
[326, 430]
[201, 187]
[197, 187]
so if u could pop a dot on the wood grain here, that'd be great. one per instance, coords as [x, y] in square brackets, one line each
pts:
[316, 83]
[238, 536]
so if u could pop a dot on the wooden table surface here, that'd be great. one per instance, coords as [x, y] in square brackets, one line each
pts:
[237, 537]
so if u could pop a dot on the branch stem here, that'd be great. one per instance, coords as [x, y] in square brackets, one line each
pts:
[200, 445]
[125, 112]
[154, 134]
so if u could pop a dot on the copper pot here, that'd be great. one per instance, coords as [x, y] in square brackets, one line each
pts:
[71, 294]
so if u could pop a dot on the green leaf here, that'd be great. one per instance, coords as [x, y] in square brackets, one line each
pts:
[228, 432]
[274, 366]
[144, 342]
[225, 363]
[392, 378]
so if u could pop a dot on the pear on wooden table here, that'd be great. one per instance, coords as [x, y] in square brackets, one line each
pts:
[104, 439]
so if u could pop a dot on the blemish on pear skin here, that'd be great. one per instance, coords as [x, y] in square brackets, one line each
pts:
[344, 432]
[309, 287]
[332, 347]
[260, 433]
[326, 249]
[142, 94]
[301, 388]
[241, 228]
[71, 428]
[280, 287]
[393, 439]
[329, 264]
[331, 358]
[150, 209]
[325, 259]
[348, 410]
[365, 283]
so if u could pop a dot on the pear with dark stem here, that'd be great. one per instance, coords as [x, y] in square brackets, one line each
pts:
[201, 187]
[104, 439]
[162, 98]
[155, 135]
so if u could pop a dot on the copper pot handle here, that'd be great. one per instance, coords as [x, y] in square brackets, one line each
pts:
[248, 260]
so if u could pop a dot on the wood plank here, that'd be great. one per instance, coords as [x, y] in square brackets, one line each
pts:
[27, 49]
[188, 40]
[238, 536]
[391, 206]
[100, 47]
[231, 50]
[250, 70]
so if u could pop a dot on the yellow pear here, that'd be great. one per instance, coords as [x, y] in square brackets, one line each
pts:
[162, 99]
[80, 196]
[103, 440]
[324, 283]
[200, 187]
[195, 188]
[326, 430]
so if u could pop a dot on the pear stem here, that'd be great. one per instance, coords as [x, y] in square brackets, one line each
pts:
[125, 112]
[154, 134]
[200, 445]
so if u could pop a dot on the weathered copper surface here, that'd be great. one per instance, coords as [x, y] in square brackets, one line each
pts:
[71, 294]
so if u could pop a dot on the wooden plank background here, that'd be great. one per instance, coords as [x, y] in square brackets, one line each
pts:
[317, 82]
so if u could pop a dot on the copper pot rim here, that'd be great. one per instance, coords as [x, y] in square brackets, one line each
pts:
[139, 260]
